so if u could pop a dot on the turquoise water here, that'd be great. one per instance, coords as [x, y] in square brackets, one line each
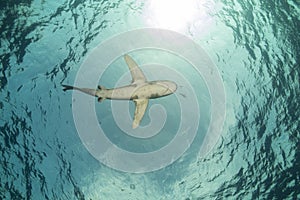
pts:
[255, 46]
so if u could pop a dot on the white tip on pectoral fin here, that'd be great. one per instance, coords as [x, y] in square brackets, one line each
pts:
[135, 124]
[140, 108]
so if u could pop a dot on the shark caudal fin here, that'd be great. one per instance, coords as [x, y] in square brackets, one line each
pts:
[67, 87]
[88, 91]
[92, 92]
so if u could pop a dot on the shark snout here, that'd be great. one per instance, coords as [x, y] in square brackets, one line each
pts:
[170, 85]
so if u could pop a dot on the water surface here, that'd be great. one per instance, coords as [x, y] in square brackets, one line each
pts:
[254, 44]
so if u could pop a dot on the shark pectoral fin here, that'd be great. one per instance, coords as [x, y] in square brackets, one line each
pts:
[136, 72]
[140, 108]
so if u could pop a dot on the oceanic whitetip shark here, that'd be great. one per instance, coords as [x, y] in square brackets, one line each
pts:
[140, 90]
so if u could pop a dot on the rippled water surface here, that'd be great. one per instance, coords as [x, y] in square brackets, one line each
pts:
[255, 46]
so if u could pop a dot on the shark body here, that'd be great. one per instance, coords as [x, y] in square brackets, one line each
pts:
[140, 90]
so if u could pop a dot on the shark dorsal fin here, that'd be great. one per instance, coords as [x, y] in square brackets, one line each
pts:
[136, 73]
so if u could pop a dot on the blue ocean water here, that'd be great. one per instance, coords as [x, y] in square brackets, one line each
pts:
[255, 46]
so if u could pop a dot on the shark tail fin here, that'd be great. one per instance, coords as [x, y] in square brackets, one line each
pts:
[67, 87]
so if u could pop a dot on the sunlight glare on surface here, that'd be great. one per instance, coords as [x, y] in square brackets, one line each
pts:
[172, 14]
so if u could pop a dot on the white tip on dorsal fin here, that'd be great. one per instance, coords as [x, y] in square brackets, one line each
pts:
[136, 72]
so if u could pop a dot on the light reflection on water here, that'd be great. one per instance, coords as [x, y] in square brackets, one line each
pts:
[178, 15]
